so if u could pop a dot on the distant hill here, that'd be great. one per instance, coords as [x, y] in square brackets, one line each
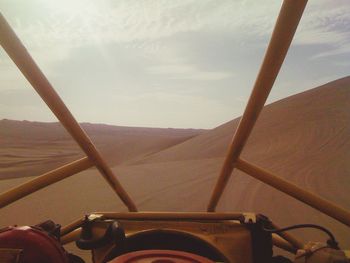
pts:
[30, 148]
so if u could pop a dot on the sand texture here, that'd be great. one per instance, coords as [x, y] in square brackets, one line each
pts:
[304, 138]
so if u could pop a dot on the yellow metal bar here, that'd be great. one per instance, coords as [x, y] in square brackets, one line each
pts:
[155, 216]
[295, 191]
[72, 226]
[72, 231]
[44, 180]
[283, 244]
[20, 56]
[172, 216]
[281, 39]
[291, 239]
[71, 237]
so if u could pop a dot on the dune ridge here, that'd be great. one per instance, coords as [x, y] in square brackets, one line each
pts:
[319, 106]
[31, 148]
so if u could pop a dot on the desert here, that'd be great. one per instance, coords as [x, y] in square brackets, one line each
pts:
[303, 138]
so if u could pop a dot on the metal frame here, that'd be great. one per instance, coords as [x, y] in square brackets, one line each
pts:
[281, 39]
[72, 231]
[286, 25]
[25, 63]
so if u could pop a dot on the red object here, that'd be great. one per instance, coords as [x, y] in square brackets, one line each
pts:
[37, 245]
[160, 256]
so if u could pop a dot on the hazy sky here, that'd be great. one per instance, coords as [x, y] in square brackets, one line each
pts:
[164, 63]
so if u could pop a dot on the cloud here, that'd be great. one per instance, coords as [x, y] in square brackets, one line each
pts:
[326, 23]
[339, 50]
[186, 71]
[85, 22]
[193, 51]
[72, 24]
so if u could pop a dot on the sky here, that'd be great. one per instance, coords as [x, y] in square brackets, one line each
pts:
[183, 64]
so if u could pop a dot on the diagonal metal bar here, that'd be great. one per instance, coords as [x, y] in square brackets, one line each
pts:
[286, 25]
[276, 241]
[295, 191]
[295, 242]
[21, 57]
[44, 180]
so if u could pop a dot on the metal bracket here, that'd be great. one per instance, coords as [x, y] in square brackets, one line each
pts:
[249, 218]
[93, 217]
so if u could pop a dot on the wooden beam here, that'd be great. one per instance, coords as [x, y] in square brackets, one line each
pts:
[281, 39]
[44, 180]
[295, 191]
[21, 57]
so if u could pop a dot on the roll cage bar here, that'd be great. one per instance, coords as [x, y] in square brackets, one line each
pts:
[284, 30]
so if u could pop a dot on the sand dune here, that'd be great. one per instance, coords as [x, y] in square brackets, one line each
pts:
[304, 138]
[309, 118]
[31, 148]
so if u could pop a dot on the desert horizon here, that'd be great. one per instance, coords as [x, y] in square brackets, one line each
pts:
[157, 111]
[303, 138]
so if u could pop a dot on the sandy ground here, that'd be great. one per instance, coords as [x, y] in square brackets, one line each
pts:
[303, 138]
[32, 148]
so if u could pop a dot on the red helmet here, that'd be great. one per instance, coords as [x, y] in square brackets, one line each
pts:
[35, 244]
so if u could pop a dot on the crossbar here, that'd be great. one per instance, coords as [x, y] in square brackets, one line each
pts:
[190, 216]
[286, 25]
[72, 231]
[155, 216]
[21, 57]
[44, 180]
[172, 215]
